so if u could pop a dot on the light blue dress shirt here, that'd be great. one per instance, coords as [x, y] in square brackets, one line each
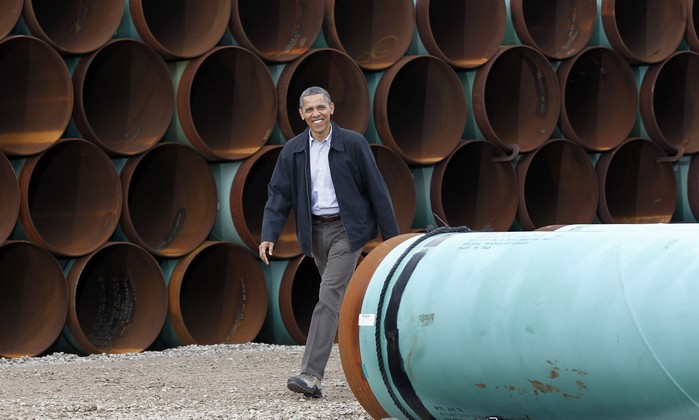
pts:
[323, 199]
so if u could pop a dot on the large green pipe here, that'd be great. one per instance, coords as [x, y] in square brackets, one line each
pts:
[34, 299]
[525, 325]
[216, 294]
[9, 205]
[10, 11]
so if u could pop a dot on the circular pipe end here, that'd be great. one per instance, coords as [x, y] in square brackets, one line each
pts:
[10, 11]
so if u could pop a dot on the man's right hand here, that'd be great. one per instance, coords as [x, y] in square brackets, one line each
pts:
[265, 247]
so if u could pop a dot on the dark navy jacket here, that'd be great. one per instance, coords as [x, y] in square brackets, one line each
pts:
[361, 191]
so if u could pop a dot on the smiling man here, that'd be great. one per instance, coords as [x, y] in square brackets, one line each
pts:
[328, 175]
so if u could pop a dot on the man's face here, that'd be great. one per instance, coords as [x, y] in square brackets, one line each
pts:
[316, 112]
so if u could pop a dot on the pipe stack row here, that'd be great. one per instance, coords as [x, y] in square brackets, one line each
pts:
[138, 138]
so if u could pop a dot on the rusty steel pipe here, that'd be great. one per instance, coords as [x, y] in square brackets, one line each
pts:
[691, 37]
[9, 204]
[34, 299]
[177, 29]
[669, 102]
[10, 11]
[599, 99]
[637, 184]
[169, 200]
[375, 34]
[338, 74]
[215, 95]
[276, 30]
[70, 198]
[118, 301]
[420, 109]
[643, 31]
[73, 26]
[216, 295]
[557, 185]
[528, 117]
[123, 97]
[463, 33]
[37, 96]
[558, 29]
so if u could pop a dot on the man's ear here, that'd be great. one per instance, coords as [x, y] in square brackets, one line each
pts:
[301, 113]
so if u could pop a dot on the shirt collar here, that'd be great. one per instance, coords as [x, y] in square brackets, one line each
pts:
[326, 139]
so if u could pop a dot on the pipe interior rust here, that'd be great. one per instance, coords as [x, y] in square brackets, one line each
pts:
[118, 300]
[10, 11]
[170, 200]
[37, 96]
[557, 185]
[338, 74]
[248, 199]
[181, 28]
[635, 187]
[9, 204]
[559, 29]
[599, 99]
[276, 30]
[473, 187]
[644, 31]
[528, 115]
[464, 33]
[217, 294]
[73, 26]
[34, 299]
[420, 109]
[70, 198]
[690, 35]
[124, 99]
[669, 102]
[375, 34]
[214, 103]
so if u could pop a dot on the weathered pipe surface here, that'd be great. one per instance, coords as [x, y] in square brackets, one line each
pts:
[180, 29]
[599, 332]
[465, 33]
[37, 96]
[420, 109]
[9, 205]
[123, 97]
[644, 31]
[529, 115]
[558, 29]
[34, 299]
[669, 102]
[637, 184]
[599, 98]
[73, 26]
[375, 34]
[336, 72]
[557, 185]
[690, 35]
[118, 301]
[276, 30]
[215, 111]
[216, 295]
[169, 200]
[70, 198]
[10, 11]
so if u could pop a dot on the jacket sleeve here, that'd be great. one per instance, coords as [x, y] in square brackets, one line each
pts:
[279, 200]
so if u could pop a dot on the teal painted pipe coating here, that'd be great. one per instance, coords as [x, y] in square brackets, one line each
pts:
[687, 189]
[273, 329]
[574, 325]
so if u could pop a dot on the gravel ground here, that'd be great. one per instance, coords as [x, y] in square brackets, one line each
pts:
[245, 381]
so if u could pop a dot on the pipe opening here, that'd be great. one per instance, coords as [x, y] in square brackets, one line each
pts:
[118, 300]
[170, 200]
[70, 198]
[9, 205]
[374, 34]
[557, 185]
[276, 30]
[634, 187]
[123, 97]
[298, 296]
[339, 75]
[420, 109]
[34, 299]
[469, 189]
[599, 99]
[181, 28]
[37, 96]
[214, 105]
[10, 11]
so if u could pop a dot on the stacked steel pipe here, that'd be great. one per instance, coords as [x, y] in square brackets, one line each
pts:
[141, 135]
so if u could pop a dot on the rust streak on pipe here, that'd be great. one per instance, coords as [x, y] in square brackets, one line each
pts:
[10, 11]
[9, 204]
